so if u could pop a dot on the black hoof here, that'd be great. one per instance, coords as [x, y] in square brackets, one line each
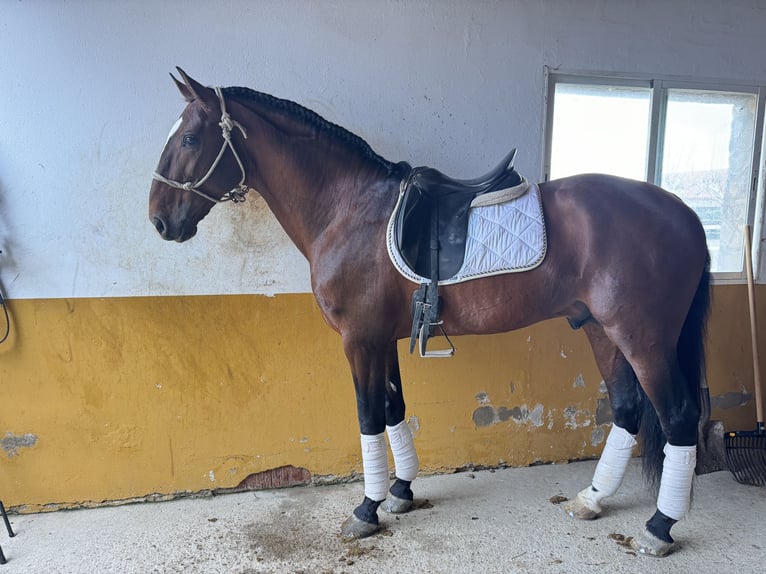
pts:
[363, 522]
[353, 528]
[395, 505]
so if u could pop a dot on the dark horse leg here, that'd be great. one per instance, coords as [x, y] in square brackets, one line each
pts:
[661, 345]
[380, 407]
[400, 439]
[625, 399]
[678, 410]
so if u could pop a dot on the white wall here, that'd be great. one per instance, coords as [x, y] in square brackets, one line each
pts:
[86, 103]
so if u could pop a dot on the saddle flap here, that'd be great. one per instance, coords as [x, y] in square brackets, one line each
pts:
[433, 201]
[413, 231]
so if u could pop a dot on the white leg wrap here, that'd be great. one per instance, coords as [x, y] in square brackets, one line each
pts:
[613, 462]
[608, 475]
[676, 484]
[403, 449]
[375, 464]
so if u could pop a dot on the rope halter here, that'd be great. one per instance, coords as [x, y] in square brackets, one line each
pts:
[237, 194]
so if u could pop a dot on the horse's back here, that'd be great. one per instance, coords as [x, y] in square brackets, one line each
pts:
[609, 212]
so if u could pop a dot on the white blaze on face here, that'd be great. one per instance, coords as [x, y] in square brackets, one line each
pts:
[174, 129]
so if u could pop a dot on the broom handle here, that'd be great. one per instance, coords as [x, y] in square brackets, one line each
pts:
[753, 325]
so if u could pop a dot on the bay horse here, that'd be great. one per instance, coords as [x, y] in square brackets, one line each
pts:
[626, 261]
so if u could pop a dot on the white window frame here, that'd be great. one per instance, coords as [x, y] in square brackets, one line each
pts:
[659, 86]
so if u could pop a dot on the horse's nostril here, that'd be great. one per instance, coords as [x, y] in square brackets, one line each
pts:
[159, 224]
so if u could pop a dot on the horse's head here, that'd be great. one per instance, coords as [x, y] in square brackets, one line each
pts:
[194, 172]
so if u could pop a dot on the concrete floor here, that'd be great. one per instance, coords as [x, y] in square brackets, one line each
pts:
[482, 521]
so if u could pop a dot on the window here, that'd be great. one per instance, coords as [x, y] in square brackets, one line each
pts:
[701, 142]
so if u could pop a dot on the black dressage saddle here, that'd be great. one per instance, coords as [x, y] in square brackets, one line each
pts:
[433, 216]
[430, 232]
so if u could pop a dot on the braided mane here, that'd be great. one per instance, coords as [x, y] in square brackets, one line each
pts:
[311, 118]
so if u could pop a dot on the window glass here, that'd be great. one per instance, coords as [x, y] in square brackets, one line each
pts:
[698, 143]
[707, 155]
[601, 129]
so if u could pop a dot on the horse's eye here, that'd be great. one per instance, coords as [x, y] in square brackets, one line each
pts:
[189, 140]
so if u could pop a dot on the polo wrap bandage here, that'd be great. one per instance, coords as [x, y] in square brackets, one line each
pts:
[676, 484]
[613, 462]
[375, 464]
[403, 449]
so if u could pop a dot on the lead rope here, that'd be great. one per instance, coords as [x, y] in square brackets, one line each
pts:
[7, 318]
[235, 195]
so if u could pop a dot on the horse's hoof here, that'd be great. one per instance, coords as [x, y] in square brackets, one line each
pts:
[583, 507]
[395, 505]
[354, 527]
[648, 544]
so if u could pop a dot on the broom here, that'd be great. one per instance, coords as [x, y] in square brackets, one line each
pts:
[746, 450]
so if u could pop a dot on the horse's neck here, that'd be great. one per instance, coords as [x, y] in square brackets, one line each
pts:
[310, 183]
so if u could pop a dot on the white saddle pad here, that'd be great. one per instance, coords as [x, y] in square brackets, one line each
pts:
[506, 237]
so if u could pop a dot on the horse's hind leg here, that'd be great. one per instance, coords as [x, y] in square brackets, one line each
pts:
[677, 407]
[400, 496]
[625, 400]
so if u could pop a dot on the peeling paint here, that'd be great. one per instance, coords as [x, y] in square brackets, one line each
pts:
[488, 415]
[12, 443]
[483, 398]
[536, 416]
[579, 382]
[516, 413]
[602, 387]
[414, 423]
[571, 416]
[211, 476]
[597, 436]
[484, 416]
[731, 400]
[281, 477]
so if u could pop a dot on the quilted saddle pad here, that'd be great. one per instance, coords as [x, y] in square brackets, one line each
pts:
[506, 237]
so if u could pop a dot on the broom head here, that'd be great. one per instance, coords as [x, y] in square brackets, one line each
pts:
[746, 455]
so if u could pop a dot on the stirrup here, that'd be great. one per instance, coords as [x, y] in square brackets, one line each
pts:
[425, 316]
[423, 336]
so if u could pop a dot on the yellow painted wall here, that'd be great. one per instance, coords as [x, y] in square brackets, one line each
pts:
[110, 399]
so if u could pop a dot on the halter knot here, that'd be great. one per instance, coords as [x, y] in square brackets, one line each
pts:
[237, 194]
[227, 124]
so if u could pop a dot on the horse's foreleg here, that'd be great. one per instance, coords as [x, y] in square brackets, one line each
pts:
[625, 400]
[368, 367]
[400, 438]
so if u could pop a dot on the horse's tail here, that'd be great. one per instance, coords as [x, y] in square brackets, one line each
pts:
[691, 359]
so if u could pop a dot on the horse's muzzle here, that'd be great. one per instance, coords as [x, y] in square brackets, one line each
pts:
[171, 232]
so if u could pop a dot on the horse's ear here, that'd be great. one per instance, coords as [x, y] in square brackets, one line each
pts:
[188, 96]
[192, 90]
